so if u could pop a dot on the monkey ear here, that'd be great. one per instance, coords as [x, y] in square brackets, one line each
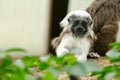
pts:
[67, 20]
[92, 23]
[64, 22]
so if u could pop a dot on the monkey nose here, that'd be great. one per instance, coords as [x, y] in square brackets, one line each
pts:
[80, 30]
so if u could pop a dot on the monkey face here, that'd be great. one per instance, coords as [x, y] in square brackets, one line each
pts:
[77, 22]
[79, 27]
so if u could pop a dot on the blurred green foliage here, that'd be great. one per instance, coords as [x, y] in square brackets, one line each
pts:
[53, 66]
[112, 71]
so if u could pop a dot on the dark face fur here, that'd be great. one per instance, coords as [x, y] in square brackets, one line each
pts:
[79, 26]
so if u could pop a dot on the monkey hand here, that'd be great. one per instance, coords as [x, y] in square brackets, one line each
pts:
[61, 51]
[81, 57]
[93, 55]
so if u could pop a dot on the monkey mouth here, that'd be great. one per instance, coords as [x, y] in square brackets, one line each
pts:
[78, 34]
[79, 31]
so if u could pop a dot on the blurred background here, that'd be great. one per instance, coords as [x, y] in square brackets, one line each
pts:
[32, 24]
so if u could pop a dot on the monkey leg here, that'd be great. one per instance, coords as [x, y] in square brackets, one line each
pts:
[106, 36]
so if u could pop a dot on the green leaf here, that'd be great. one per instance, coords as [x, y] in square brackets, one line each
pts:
[20, 73]
[6, 62]
[31, 61]
[39, 78]
[43, 65]
[101, 77]
[96, 73]
[108, 69]
[116, 45]
[70, 59]
[77, 69]
[15, 50]
[113, 54]
[45, 58]
[29, 77]
[115, 59]
[91, 66]
[20, 64]
[49, 76]
[110, 75]
[55, 71]
[56, 60]
[118, 73]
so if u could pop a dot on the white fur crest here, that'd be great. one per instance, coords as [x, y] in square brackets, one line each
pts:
[79, 13]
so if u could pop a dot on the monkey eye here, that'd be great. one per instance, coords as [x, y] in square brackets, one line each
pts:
[76, 22]
[69, 20]
[91, 22]
[84, 23]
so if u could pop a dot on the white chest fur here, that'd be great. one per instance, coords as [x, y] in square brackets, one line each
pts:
[69, 42]
[79, 45]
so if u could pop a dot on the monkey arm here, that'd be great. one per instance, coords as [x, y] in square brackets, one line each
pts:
[64, 46]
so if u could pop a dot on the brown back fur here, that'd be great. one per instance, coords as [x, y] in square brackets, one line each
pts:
[105, 14]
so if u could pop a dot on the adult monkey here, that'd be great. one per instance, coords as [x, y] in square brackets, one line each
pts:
[106, 17]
